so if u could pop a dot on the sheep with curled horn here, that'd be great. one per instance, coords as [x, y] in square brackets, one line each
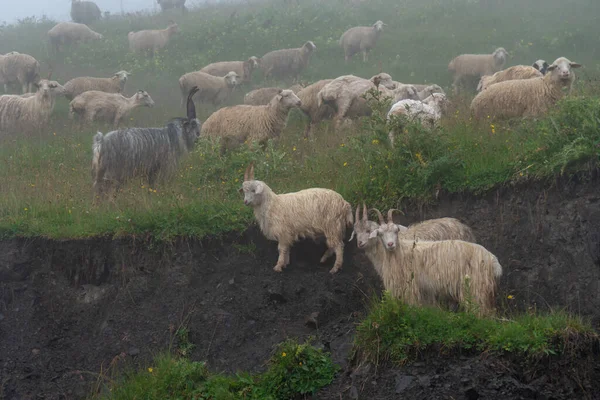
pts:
[150, 153]
[308, 213]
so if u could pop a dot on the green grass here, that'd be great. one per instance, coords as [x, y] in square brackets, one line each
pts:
[399, 333]
[45, 177]
[294, 369]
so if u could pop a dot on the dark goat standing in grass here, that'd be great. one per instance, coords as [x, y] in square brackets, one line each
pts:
[143, 152]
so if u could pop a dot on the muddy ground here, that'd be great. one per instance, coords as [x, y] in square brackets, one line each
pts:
[68, 309]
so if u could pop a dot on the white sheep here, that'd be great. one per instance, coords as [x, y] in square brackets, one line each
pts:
[113, 107]
[263, 96]
[27, 114]
[509, 74]
[114, 84]
[476, 65]
[287, 62]
[309, 213]
[244, 69]
[428, 112]
[426, 91]
[151, 40]
[238, 124]
[212, 89]
[19, 68]
[311, 108]
[528, 97]
[427, 272]
[360, 39]
[67, 33]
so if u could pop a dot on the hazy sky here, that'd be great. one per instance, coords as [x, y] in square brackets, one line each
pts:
[11, 10]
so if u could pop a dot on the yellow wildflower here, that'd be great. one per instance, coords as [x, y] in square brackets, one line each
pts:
[345, 164]
[300, 363]
[375, 141]
[236, 180]
[510, 297]
[150, 369]
[26, 209]
[294, 148]
[283, 354]
[342, 145]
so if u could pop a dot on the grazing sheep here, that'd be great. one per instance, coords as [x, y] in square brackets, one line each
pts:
[114, 84]
[402, 92]
[360, 39]
[427, 91]
[151, 153]
[308, 213]
[213, 89]
[527, 97]
[28, 114]
[84, 12]
[476, 65]
[310, 107]
[67, 33]
[151, 40]
[244, 69]
[263, 96]
[238, 124]
[113, 107]
[169, 4]
[19, 68]
[431, 272]
[508, 74]
[541, 65]
[428, 112]
[287, 62]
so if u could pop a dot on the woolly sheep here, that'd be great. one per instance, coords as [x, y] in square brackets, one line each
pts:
[310, 107]
[151, 40]
[425, 272]
[541, 65]
[263, 96]
[308, 213]
[27, 114]
[211, 89]
[114, 84]
[428, 112]
[19, 68]
[244, 69]
[67, 33]
[476, 65]
[526, 97]
[151, 153]
[84, 12]
[287, 62]
[238, 124]
[428, 90]
[113, 107]
[360, 39]
[508, 74]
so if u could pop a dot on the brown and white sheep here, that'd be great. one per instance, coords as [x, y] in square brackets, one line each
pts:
[212, 89]
[527, 97]
[308, 213]
[68, 33]
[467, 66]
[244, 69]
[360, 39]
[114, 84]
[19, 68]
[151, 40]
[509, 74]
[287, 62]
[113, 107]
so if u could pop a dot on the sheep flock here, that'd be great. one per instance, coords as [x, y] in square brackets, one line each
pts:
[422, 263]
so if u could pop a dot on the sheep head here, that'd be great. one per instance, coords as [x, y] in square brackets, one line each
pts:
[384, 80]
[484, 82]
[254, 191]
[363, 228]
[310, 46]
[500, 55]
[231, 79]
[286, 99]
[254, 62]
[379, 26]
[387, 232]
[122, 75]
[49, 88]
[142, 98]
[437, 100]
[541, 65]
[560, 71]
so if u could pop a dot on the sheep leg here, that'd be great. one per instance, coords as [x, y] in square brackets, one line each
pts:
[365, 56]
[5, 88]
[24, 87]
[328, 253]
[284, 257]
[339, 258]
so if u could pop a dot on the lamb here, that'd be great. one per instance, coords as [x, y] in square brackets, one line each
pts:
[67, 33]
[527, 97]
[476, 65]
[244, 69]
[287, 62]
[27, 114]
[19, 68]
[152, 153]
[114, 84]
[360, 39]
[263, 96]
[151, 40]
[541, 65]
[310, 107]
[211, 89]
[94, 104]
[428, 112]
[508, 74]
[428, 272]
[308, 213]
[238, 124]
[169, 4]
[84, 12]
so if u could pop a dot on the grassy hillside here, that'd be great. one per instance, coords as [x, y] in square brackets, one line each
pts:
[45, 177]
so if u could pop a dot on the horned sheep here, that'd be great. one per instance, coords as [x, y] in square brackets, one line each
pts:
[211, 89]
[476, 65]
[152, 153]
[113, 107]
[308, 213]
[360, 39]
[67, 33]
[263, 96]
[114, 84]
[18, 114]
[19, 68]
[85, 12]
[238, 124]
[509, 74]
[151, 40]
[528, 97]
[244, 69]
[426, 272]
[287, 62]
[428, 112]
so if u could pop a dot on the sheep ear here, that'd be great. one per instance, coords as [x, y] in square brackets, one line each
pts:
[575, 65]
[552, 67]
[259, 188]
[402, 228]
[241, 190]
[374, 234]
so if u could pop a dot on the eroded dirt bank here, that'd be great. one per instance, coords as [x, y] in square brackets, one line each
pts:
[68, 308]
